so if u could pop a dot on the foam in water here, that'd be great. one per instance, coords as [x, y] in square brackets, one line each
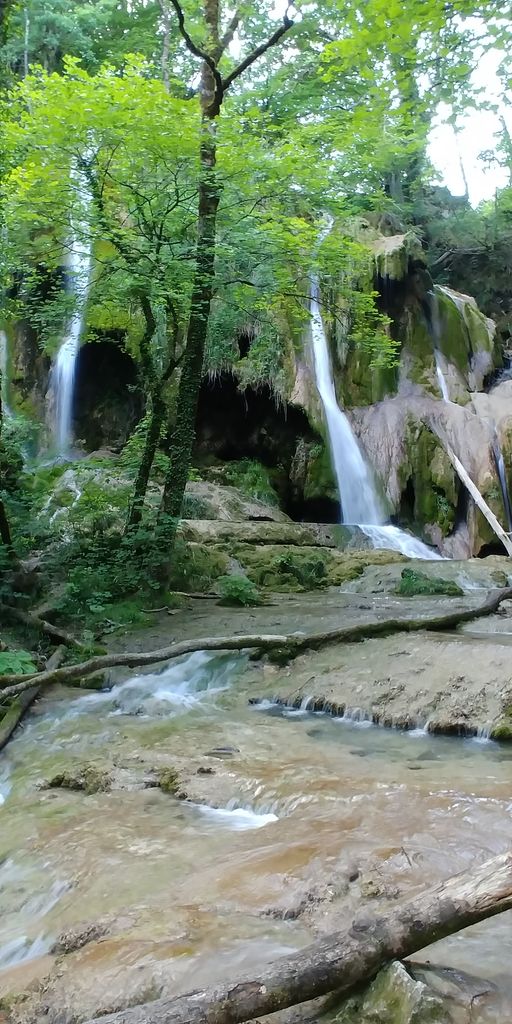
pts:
[239, 819]
[19, 950]
[360, 502]
[62, 377]
[178, 687]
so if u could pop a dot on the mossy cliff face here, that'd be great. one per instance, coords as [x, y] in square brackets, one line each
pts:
[398, 412]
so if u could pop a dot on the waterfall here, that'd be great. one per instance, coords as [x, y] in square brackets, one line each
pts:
[62, 376]
[434, 322]
[499, 462]
[4, 373]
[360, 503]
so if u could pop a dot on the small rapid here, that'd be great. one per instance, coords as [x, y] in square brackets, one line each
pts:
[276, 804]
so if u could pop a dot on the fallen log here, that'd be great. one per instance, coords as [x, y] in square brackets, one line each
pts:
[291, 645]
[342, 960]
[41, 625]
[23, 702]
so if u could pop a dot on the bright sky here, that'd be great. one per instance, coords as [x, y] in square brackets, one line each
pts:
[477, 134]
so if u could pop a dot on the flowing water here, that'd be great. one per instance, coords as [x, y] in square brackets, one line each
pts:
[302, 802]
[499, 462]
[4, 372]
[360, 503]
[62, 376]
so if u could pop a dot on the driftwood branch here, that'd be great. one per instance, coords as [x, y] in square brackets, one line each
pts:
[292, 644]
[345, 958]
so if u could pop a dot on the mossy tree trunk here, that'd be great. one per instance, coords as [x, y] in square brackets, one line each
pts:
[212, 90]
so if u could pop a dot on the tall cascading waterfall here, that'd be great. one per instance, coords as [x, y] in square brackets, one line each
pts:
[4, 372]
[62, 375]
[360, 503]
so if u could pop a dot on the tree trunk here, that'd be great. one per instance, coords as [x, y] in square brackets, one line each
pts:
[183, 435]
[342, 960]
[291, 645]
[158, 412]
[5, 533]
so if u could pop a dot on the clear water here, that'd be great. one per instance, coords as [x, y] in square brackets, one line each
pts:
[196, 885]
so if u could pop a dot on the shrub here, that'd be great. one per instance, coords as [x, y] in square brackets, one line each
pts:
[238, 591]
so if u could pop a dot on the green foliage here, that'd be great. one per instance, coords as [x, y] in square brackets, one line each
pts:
[16, 663]
[414, 583]
[238, 591]
[251, 478]
[308, 570]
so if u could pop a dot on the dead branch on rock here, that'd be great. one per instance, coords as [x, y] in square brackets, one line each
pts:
[290, 646]
[344, 959]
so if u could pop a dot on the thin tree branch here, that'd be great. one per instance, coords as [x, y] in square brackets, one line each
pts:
[198, 52]
[259, 51]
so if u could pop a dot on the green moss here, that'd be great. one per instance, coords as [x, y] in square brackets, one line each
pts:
[87, 779]
[169, 781]
[502, 731]
[319, 479]
[196, 566]
[414, 583]
[289, 569]
[238, 591]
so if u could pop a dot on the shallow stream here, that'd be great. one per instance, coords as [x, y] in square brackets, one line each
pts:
[311, 815]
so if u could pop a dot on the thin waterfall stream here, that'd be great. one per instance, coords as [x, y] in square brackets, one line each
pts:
[434, 323]
[62, 376]
[360, 502]
[4, 373]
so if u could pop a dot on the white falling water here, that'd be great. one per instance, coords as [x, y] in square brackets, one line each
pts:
[435, 326]
[4, 370]
[360, 503]
[441, 379]
[502, 477]
[62, 377]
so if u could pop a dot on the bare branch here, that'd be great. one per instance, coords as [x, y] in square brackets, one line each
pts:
[259, 51]
[227, 38]
[198, 52]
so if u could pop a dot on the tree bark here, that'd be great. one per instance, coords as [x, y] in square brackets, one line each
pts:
[292, 644]
[157, 416]
[342, 960]
[183, 435]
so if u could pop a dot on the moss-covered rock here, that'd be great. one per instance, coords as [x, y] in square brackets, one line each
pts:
[414, 583]
[86, 779]
[394, 997]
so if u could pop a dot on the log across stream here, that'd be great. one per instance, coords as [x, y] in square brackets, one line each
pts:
[294, 824]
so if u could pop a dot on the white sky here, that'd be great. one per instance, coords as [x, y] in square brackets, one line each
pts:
[477, 134]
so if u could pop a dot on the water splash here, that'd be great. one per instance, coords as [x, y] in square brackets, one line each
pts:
[62, 376]
[239, 819]
[360, 503]
[177, 688]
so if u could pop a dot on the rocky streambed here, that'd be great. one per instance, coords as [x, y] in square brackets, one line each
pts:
[170, 832]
